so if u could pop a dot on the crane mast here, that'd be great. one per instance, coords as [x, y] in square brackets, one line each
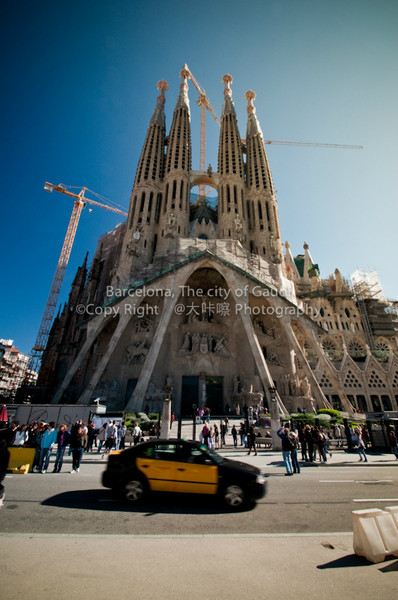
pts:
[45, 325]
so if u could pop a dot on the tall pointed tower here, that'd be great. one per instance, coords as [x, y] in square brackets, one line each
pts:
[232, 223]
[174, 218]
[264, 232]
[140, 241]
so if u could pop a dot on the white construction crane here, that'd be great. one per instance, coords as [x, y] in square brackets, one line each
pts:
[80, 202]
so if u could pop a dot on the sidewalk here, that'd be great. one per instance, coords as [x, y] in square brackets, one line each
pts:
[168, 567]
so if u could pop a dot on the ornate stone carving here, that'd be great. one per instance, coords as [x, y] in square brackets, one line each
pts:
[203, 343]
[305, 388]
[143, 325]
[136, 352]
[132, 249]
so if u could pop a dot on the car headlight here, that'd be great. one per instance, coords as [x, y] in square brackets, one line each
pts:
[260, 479]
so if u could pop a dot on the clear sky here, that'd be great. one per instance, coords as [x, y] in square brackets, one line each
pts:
[79, 87]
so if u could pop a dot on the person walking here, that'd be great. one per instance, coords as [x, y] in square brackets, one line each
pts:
[242, 433]
[101, 437]
[63, 438]
[137, 433]
[303, 443]
[361, 445]
[294, 443]
[321, 445]
[77, 445]
[204, 435]
[251, 440]
[392, 440]
[234, 434]
[283, 433]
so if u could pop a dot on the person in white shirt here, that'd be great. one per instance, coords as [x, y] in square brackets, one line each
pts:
[137, 433]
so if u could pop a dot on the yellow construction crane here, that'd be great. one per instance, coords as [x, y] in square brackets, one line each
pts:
[80, 202]
[205, 105]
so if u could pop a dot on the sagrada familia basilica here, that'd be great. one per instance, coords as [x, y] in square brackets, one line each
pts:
[202, 302]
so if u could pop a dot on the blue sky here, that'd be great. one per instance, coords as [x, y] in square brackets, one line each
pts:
[79, 87]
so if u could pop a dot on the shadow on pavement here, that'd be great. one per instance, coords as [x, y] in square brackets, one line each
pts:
[392, 567]
[103, 500]
[351, 560]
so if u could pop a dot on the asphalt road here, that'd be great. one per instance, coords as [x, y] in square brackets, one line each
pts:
[319, 500]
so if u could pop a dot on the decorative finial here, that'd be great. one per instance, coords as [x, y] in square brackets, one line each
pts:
[185, 74]
[306, 246]
[250, 96]
[162, 86]
[227, 79]
[287, 245]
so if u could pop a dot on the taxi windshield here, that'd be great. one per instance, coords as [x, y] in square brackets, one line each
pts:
[216, 457]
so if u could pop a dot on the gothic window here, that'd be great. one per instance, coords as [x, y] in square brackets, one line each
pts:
[375, 380]
[356, 350]
[228, 199]
[148, 219]
[166, 198]
[329, 348]
[134, 204]
[351, 380]
[395, 380]
[248, 214]
[325, 382]
[386, 401]
[381, 351]
[142, 202]
[158, 207]
[376, 403]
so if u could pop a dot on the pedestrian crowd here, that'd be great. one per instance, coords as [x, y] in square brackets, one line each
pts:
[75, 439]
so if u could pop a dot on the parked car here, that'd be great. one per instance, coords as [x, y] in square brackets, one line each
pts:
[180, 466]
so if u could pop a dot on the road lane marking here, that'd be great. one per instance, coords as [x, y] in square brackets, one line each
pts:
[356, 481]
[336, 481]
[375, 500]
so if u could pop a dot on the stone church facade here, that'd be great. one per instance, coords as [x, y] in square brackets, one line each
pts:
[204, 303]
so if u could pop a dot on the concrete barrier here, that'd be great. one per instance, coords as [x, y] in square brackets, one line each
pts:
[21, 459]
[375, 533]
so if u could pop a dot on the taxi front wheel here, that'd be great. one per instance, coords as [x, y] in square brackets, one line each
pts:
[135, 491]
[235, 497]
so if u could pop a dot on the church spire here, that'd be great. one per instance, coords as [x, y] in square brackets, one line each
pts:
[179, 146]
[150, 165]
[263, 211]
[174, 219]
[232, 223]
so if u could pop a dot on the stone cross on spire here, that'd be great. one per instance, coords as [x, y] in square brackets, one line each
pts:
[158, 114]
[183, 99]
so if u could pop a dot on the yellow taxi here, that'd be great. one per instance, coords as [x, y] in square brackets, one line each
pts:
[180, 466]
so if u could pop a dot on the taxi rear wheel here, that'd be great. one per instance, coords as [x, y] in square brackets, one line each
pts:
[234, 497]
[135, 491]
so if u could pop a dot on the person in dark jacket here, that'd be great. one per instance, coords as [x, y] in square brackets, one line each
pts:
[77, 445]
[251, 440]
[63, 439]
[283, 433]
[392, 440]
